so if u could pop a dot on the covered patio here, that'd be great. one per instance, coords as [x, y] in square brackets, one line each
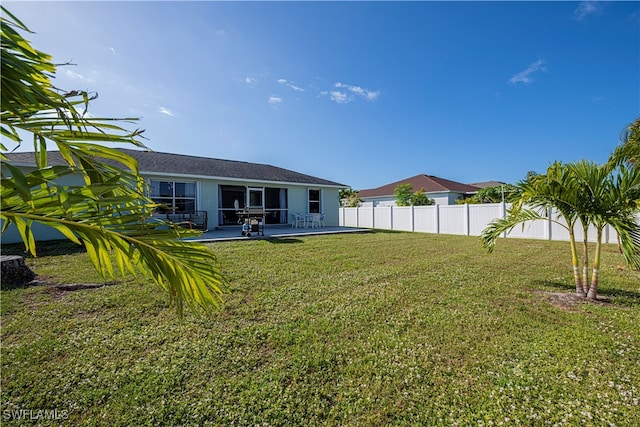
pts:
[271, 232]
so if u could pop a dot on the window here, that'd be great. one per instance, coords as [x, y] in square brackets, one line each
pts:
[174, 196]
[256, 197]
[314, 201]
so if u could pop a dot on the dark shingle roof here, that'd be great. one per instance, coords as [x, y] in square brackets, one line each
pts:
[151, 162]
[431, 184]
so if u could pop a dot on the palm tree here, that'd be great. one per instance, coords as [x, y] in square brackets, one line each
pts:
[110, 214]
[610, 197]
[583, 191]
[629, 151]
[536, 196]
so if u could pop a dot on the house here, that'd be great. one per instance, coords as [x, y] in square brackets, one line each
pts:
[442, 191]
[219, 188]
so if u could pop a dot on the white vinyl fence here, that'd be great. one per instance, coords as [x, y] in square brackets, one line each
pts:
[467, 220]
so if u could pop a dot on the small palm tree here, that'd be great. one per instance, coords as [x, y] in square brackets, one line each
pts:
[594, 195]
[536, 196]
[610, 197]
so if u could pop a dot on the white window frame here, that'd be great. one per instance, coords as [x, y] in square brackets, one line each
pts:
[255, 190]
[172, 207]
[309, 200]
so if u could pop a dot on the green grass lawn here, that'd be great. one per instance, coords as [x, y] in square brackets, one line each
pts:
[361, 330]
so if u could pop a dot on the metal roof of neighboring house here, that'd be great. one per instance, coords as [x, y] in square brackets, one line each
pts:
[487, 184]
[431, 184]
[151, 162]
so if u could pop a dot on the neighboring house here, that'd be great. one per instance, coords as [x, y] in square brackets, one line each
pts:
[442, 191]
[221, 187]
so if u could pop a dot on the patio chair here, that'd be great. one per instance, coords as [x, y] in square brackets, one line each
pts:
[298, 220]
[317, 220]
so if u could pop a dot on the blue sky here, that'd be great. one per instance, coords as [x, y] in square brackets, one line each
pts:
[362, 93]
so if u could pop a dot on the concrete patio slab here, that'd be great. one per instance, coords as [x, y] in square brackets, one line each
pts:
[271, 232]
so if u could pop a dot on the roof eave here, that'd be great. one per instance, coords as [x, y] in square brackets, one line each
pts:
[225, 178]
[210, 177]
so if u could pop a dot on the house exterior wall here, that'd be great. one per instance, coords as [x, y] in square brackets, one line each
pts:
[207, 199]
[441, 198]
[329, 202]
[41, 232]
[331, 206]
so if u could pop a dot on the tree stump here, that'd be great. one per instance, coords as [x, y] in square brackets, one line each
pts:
[15, 272]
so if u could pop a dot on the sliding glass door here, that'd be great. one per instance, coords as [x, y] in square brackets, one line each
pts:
[233, 198]
[276, 205]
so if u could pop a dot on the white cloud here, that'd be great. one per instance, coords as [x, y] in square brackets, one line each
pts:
[250, 80]
[367, 94]
[76, 76]
[340, 97]
[73, 75]
[112, 50]
[525, 76]
[586, 8]
[166, 111]
[275, 100]
[291, 85]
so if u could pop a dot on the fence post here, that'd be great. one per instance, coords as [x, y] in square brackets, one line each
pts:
[357, 216]
[413, 215]
[467, 226]
[373, 217]
[437, 218]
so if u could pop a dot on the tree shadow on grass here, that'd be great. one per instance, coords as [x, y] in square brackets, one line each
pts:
[566, 295]
[622, 297]
[383, 231]
[277, 241]
[45, 248]
[554, 284]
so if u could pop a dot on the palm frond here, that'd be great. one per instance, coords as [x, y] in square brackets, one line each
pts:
[501, 226]
[110, 214]
[116, 226]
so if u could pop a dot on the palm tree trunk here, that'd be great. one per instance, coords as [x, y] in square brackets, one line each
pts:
[585, 256]
[619, 245]
[593, 289]
[575, 263]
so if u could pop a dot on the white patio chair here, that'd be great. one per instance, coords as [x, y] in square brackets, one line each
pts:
[317, 220]
[321, 220]
[298, 220]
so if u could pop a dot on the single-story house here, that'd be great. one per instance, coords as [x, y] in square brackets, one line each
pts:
[219, 188]
[442, 191]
